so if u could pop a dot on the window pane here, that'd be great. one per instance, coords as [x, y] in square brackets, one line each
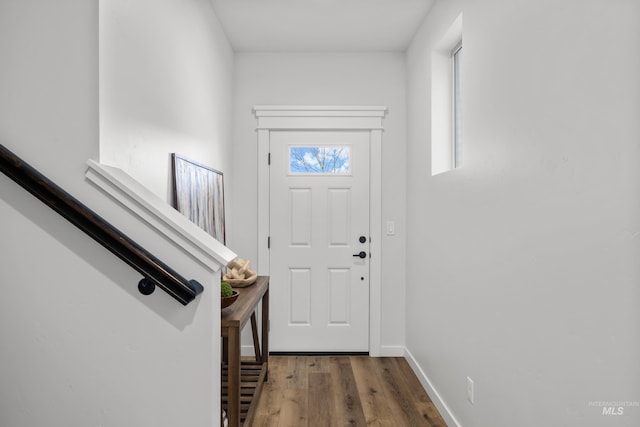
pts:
[457, 109]
[320, 160]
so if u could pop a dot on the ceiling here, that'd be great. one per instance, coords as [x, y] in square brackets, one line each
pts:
[320, 25]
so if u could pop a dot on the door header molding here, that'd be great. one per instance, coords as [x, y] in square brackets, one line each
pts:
[310, 117]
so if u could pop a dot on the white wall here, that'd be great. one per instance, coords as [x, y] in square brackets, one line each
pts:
[522, 267]
[80, 346]
[326, 79]
[166, 73]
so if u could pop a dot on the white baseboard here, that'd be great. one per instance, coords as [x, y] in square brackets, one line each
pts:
[247, 350]
[444, 410]
[392, 351]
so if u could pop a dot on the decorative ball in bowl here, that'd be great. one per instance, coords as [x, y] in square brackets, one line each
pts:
[239, 275]
[227, 301]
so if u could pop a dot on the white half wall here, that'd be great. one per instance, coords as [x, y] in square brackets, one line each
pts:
[326, 79]
[522, 267]
[80, 345]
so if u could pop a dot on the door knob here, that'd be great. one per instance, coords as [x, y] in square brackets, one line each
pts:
[362, 254]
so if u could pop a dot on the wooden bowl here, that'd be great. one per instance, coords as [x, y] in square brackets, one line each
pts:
[227, 301]
[242, 283]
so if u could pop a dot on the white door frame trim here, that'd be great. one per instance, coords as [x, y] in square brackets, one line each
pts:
[363, 118]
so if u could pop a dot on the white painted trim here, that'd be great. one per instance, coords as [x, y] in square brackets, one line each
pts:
[170, 223]
[367, 118]
[315, 118]
[247, 351]
[392, 351]
[437, 400]
[263, 203]
[319, 111]
[375, 224]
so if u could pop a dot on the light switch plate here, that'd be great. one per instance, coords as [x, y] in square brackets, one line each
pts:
[391, 228]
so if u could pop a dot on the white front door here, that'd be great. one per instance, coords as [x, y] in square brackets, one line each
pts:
[319, 239]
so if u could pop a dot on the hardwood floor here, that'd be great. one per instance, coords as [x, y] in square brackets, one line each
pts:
[327, 391]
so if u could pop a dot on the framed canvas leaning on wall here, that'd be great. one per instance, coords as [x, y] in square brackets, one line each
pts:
[198, 193]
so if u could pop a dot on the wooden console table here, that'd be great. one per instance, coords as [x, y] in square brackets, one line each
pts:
[242, 379]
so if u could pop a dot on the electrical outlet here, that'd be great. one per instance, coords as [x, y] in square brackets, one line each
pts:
[470, 390]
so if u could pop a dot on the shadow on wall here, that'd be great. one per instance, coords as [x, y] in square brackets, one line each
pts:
[84, 247]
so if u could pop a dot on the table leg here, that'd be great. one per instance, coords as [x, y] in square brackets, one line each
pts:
[265, 333]
[225, 350]
[254, 332]
[233, 388]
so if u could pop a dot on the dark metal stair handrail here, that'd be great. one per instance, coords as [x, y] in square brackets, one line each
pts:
[155, 272]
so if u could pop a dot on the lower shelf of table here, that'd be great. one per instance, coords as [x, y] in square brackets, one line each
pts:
[252, 376]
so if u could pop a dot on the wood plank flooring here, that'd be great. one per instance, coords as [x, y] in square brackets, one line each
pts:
[328, 391]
